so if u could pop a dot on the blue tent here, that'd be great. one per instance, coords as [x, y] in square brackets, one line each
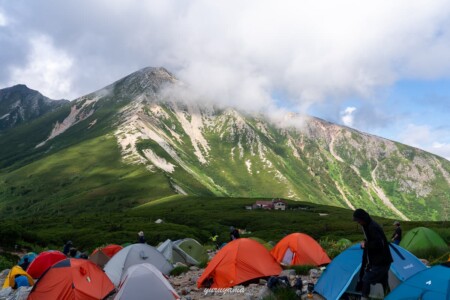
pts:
[30, 255]
[431, 284]
[341, 274]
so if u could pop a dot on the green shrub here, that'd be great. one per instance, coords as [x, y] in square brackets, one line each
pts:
[6, 262]
[179, 270]
[302, 270]
[203, 264]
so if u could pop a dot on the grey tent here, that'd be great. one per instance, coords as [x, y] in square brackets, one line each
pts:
[133, 255]
[174, 253]
[145, 282]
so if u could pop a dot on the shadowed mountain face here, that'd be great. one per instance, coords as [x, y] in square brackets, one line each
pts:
[19, 104]
[140, 140]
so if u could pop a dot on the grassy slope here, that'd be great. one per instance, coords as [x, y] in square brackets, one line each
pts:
[89, 176]
[196, 217]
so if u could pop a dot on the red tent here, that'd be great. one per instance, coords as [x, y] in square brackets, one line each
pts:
[299, 249]
[239, 261]
[44, 261]
[72, 279]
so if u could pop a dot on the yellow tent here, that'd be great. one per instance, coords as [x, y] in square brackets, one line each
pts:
[10, 279]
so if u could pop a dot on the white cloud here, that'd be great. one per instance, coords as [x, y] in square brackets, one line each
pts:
[47, 69]
[347, 116]
[427, 138]
[441, 149]
[3, 20]
[239, 52]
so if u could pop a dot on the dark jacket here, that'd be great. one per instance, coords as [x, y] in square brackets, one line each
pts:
[376, 252]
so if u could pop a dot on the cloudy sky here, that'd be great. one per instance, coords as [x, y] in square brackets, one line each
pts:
[381, 67]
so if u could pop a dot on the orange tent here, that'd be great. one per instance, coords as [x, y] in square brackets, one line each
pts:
[299, 249]
[239, 261]
[72, 279]
[109, 250]
[102, 255]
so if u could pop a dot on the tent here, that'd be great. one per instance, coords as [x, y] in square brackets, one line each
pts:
[30, 255]
[431, 284]
[341, 274]
[10, 279]
[266, 245]
[194, 249]
[343, 243]
[299, 249]
[145, 282]
[72, 279]
[44, 261]
[133, 255]
[239, 261]
[102, 255]
[175, 254]
[424, 241]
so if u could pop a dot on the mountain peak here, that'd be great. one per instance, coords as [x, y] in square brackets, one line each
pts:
[20, 104]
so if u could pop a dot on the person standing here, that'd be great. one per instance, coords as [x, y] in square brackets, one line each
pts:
[141, 237]
[67, 247]
[234, 234]
[377, 257]
[397, 236]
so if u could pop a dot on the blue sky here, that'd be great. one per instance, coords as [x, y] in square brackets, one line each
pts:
[381, 67]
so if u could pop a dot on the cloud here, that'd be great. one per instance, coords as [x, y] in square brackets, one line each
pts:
[434, 140]
[3, 20]
[48, 69]
[240, 52]
[347, 116]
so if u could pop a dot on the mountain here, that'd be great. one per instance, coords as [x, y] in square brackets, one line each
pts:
[140, 139]
[19, 104]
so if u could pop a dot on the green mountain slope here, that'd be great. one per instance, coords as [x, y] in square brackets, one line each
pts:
[81, 158]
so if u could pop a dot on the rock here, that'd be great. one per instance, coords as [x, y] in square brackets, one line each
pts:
[184, 291]
[194, 268]
[262, 282]
[288, 273]
[252, 285]
[179, 264]
[264, 293]
[314, 273]
[248, 296]
[425, 262]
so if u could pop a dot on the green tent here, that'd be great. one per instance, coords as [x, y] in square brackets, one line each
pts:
[193, 248]
[343, 244]
[424, 242]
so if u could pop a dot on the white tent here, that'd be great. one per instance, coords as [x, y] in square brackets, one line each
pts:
[145, 282]
[174, 253]
[132, 255]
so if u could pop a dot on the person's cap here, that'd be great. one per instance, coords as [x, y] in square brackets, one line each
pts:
[69, 242]
[396, 223]
[140, 233]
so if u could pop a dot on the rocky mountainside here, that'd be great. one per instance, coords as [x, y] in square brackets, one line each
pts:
[200, 149]
[19, 104]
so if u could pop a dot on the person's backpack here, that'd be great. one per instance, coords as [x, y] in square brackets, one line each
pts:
[281, 282]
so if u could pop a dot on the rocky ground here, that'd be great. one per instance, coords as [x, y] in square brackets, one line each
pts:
[186, 286]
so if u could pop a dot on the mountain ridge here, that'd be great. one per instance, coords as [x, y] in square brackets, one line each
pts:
[202, 149]
[20, 104]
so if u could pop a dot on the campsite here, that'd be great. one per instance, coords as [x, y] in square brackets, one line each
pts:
[182, 247]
